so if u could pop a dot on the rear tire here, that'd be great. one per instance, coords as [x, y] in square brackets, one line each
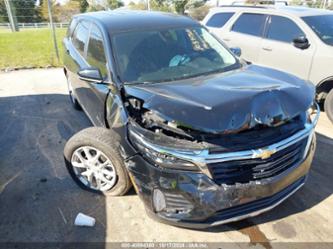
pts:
[328, 105]
[85, 154]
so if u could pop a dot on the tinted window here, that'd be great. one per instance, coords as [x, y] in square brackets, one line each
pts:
[71, 27]
[251, 24]
[322, 26]
[80, 36]
[95, 53]
[218, 20]
[283, 29]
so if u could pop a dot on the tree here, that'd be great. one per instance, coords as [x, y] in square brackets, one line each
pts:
[180, 5]
[3, 12]
[192, 4]
[199, 13]
[141, 5]
[114, 4]
[44, 9]
[160, 5]
[64, 13]
[83, 5]
[25, 11]
[60, 13]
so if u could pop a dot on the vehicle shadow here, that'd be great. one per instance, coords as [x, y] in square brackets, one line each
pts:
[39, 200]
[318, 187]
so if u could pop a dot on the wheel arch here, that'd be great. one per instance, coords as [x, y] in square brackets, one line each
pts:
[107, 141]
[323, 88]
[65, 71]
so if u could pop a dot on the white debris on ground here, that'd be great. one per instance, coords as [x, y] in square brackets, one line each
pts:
[84, 220]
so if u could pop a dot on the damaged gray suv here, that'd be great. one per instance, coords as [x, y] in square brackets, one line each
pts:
[202, 136]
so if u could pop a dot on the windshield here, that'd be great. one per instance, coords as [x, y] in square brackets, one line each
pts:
[166, 55]
[322, 26]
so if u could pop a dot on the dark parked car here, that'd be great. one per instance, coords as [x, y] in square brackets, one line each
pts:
[203, 137]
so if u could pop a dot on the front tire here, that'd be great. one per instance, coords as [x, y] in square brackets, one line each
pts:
[93, 160]
[328, 105]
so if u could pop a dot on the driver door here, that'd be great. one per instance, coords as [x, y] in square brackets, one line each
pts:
[95, 94]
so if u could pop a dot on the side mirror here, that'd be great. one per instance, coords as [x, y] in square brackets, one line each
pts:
[236, 51]
[301, 42]
[91, 74]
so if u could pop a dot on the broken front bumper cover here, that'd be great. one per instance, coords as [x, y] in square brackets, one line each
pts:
[236, 213]
[194, 200]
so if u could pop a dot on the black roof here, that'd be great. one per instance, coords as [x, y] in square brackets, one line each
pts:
[125, 20]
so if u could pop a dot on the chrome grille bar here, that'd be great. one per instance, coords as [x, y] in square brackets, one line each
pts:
[203, 157]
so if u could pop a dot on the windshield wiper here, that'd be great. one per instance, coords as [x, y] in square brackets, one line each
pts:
[137, 82]
[188, 76]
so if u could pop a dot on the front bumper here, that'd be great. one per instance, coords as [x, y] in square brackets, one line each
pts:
[196, 201]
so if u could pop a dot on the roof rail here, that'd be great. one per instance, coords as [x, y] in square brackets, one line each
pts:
[259, 2]
[246, 6]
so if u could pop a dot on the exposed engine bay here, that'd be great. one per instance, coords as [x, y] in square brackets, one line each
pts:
[255, 117]
[245, 138]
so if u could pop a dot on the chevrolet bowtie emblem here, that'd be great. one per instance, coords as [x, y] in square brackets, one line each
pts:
[264, 154]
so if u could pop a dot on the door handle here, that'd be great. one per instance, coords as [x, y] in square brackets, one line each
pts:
[226, 39]
[267, 48]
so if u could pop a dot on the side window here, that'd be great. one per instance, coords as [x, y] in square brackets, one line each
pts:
[251, 24]
[218, 20]
[95, 53]
[283, 29]
[71, 27]
[80, 36]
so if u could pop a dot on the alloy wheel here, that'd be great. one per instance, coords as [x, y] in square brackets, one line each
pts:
[93, 168]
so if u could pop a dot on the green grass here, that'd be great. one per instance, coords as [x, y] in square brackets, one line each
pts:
[29, 48]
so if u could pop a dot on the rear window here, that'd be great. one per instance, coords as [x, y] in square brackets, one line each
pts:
[218, 20]
[283, 29]
[80, 36]
[322, 26]
[251, 24]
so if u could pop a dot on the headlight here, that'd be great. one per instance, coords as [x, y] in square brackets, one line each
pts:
[161, 156]
[312, 118]
[313, 114]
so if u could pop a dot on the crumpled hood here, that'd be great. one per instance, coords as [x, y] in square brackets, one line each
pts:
[229, 101]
